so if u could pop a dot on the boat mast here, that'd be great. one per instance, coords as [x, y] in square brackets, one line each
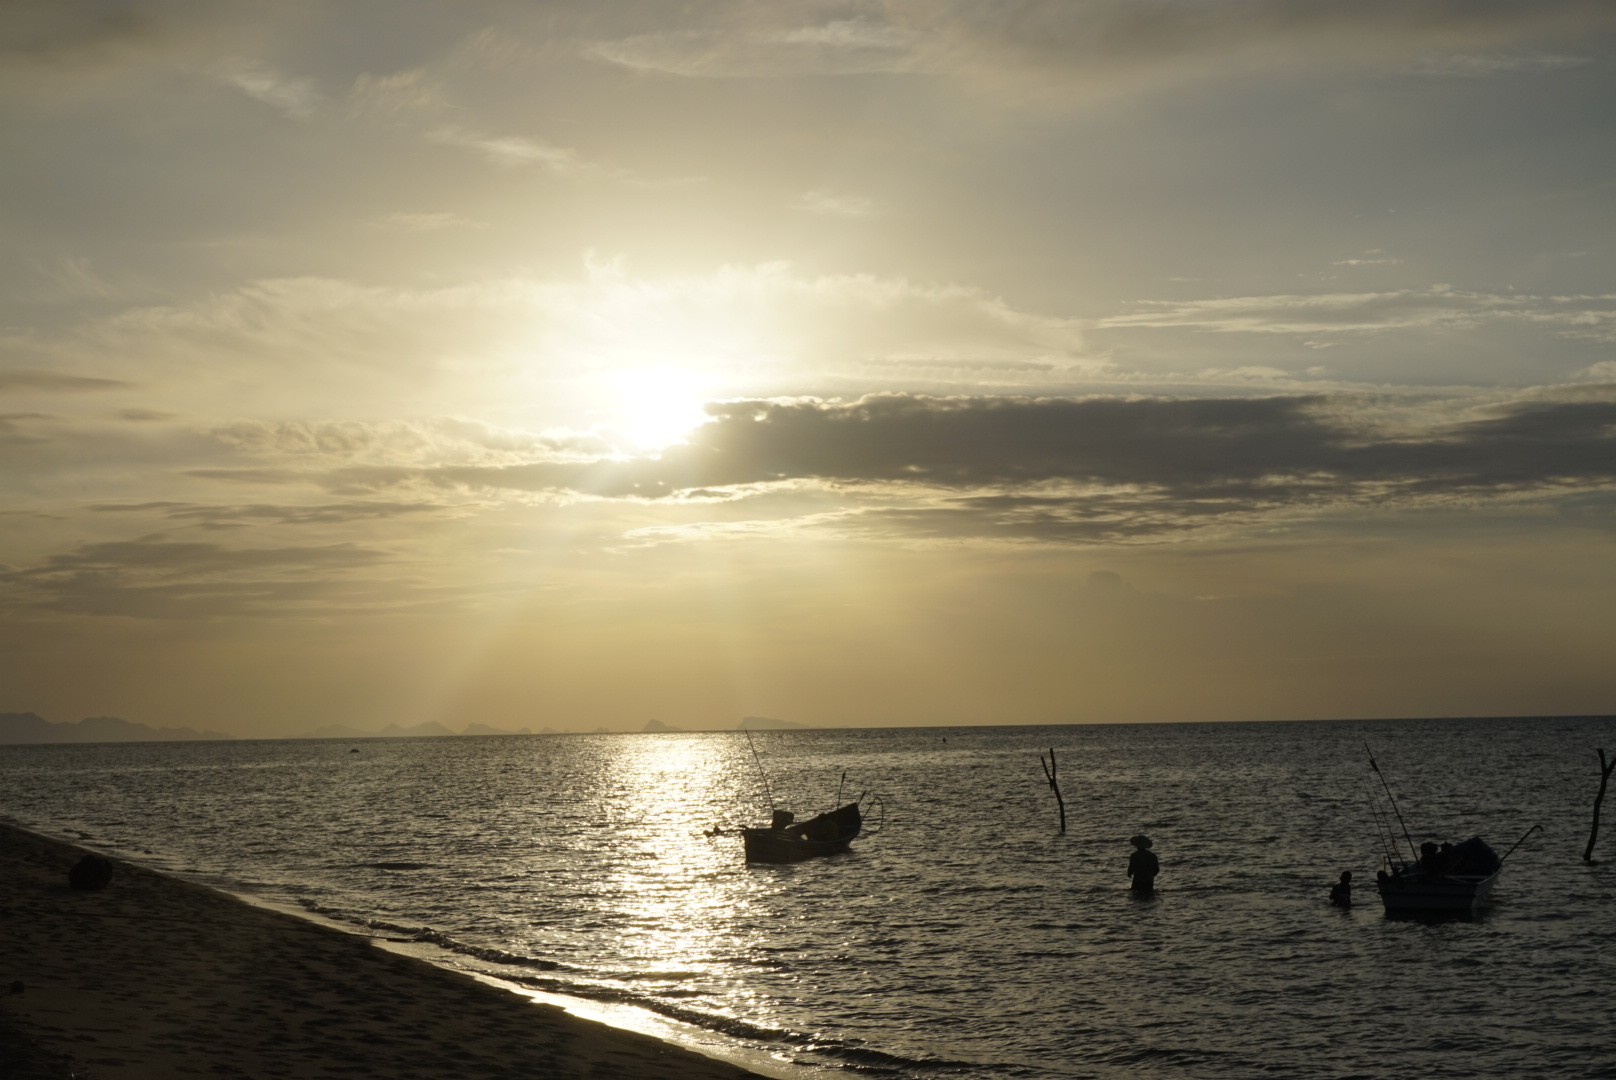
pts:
[761, 773]
[1389, 798]
[1388, 842]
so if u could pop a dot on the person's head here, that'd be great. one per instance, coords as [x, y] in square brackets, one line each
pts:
[1428, 848]
[1140, 841]
[1346, 877]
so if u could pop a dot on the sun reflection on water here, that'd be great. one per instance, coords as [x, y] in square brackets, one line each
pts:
[679, 896]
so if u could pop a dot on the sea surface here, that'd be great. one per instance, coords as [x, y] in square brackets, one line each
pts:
[964, 935]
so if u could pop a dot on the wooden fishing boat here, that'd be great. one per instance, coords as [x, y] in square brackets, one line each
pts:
[787, 840]
[1459, 884]
[1439, 879]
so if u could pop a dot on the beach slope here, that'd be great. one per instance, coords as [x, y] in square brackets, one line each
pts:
[153, 977]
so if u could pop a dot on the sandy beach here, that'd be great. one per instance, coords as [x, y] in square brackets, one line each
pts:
[156, 977]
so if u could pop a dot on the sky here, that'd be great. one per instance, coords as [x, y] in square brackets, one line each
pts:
[860, 363]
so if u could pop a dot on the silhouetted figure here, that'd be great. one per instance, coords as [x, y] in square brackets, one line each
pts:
[1143, 866]
[1428, 857]
[1341, 891]
[90, 873]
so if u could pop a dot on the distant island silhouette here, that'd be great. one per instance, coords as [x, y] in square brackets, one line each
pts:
[27, 727]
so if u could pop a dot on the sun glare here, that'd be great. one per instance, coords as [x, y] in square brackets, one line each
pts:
[655, 407]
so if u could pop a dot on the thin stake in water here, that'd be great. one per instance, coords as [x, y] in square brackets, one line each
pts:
[1050, 770]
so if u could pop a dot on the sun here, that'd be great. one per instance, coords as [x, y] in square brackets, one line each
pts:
[655, 407]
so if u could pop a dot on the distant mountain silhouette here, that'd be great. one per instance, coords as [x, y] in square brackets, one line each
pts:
[394, 731]
[31, 728]
[764, 723]
[657, 725]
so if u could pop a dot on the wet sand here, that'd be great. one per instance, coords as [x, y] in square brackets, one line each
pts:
[153, 977]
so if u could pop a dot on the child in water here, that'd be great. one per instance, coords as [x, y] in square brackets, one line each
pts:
[1341, 891]
[1143, 866]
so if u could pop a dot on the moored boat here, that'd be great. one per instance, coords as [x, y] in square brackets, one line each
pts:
[1441, 879]
[787, 840]
[1457, 880]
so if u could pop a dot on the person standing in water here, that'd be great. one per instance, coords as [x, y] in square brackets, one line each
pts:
[1143, 866]
[1341, 891]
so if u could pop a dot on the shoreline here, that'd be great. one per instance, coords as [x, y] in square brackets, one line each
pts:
[156, 976]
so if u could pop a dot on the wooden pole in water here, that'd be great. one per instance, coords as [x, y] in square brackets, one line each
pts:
[1604, 778]
[1050, 770]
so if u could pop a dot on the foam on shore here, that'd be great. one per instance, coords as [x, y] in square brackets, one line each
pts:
[155, 977]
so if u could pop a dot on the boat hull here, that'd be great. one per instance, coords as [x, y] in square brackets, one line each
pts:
[768, 846]
[793, 844]
[1435, 892]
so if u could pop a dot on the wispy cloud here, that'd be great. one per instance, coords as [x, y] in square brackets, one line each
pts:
[155, 577]
[738, 325]
[51, 382]
[516, 150]
[72, 278]
[1043, 39]
[1439, 307]
[833, 204]
[293, 96]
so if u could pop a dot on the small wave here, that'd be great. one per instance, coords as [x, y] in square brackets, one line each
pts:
[724, 1025]
[435, 937]
[864, 1057]
[393, 866]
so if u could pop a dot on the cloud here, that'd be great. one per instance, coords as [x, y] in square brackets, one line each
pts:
[296, 98]
[1066, 39]
[60, 44]
[831, 204]
[743, 329]
[51, 382]
[154, 577]
[271, 513]
[437, 440]
[1436, 308]
[1089, 469]
[72, 279]
[749, 47]
[519, 150]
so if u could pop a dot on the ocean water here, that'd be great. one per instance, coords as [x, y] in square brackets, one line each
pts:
[966, 937]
